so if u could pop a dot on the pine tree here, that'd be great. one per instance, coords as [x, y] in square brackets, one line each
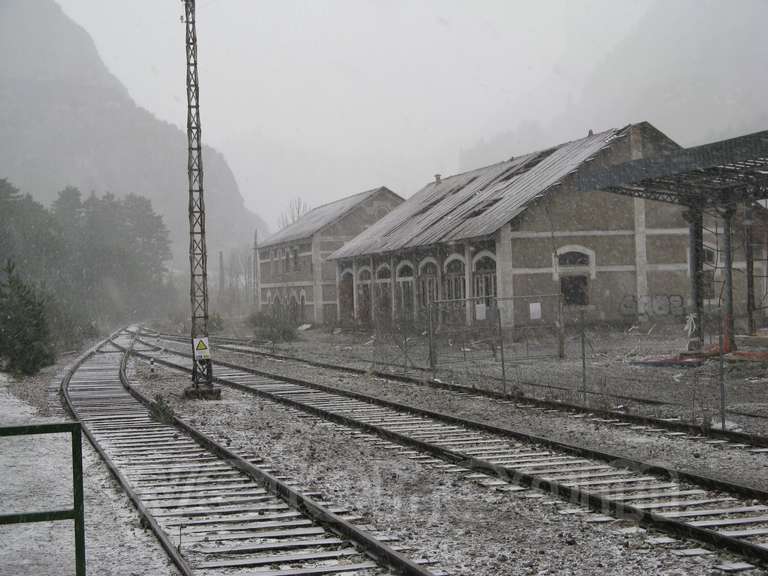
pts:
[25, 341]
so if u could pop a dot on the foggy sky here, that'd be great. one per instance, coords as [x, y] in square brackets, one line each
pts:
[327, 98]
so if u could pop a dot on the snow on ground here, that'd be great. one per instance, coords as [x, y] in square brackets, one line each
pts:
[36, 474]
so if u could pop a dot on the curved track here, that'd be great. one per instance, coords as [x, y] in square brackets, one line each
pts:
[213, 512]
[724, 515]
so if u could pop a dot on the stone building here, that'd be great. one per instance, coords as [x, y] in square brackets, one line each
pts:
[292, 268]
[516, 237]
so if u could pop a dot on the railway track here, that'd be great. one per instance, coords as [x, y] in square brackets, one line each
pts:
[643, 424]
[723, 515]
[213, 511]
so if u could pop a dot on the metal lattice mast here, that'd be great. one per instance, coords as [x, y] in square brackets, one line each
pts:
[198, 293]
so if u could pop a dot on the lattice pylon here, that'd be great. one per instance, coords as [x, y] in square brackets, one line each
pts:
[202, 371]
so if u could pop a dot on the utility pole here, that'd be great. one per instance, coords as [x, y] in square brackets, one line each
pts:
[202, 367]
[256, 290]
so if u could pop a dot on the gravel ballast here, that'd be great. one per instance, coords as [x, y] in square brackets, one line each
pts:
[728, 464]
[468, 529]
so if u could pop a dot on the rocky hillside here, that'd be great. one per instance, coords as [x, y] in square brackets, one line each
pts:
[67, 120]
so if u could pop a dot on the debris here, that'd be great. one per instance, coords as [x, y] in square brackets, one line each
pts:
[671, 361]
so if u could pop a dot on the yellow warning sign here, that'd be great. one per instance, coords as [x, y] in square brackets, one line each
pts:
[201, 348]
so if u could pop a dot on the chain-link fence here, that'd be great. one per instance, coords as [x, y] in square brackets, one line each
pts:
[535, 347]
[480, 341]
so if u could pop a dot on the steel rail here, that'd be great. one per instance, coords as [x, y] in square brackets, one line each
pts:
[372, 547]
[571, 493]
[637, 465]
[676, 426]
[146, 518]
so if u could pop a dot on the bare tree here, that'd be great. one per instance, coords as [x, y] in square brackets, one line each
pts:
[296, 209]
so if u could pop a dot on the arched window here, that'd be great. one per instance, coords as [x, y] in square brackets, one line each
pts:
[575, 266]
[485, 279]
[364, 294]
[453, 281]
[404, 271]
[383, 296]
[573, 259]
[404, 295]
[427, 284]
[383, 273]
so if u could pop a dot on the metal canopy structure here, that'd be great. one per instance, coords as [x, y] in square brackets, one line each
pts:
[716, 177]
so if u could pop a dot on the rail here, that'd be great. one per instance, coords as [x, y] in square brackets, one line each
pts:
[77, 513]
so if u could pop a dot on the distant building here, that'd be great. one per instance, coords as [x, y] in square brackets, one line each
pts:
[518, 232]
[293, 272]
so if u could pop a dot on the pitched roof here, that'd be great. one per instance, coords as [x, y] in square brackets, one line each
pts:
[475, 203]
[320, 217]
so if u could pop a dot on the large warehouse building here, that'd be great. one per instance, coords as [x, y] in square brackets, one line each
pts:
[517, 237]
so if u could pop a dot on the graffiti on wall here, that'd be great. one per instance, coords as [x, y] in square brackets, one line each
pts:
[655, 306]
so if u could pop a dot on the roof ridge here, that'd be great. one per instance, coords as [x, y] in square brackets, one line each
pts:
[534, 152]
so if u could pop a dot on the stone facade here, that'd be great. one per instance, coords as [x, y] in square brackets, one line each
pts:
[295, 273]
[610, 257]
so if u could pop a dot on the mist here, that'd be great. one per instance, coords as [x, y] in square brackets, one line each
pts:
[322, 100]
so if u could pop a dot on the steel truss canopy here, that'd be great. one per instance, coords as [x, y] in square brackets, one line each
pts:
[717, 175]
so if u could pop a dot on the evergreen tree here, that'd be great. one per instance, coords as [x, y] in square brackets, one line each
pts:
[25, 340]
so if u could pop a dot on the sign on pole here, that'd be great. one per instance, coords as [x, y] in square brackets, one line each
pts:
[202, 349]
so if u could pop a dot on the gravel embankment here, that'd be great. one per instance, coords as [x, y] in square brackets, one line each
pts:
[728, 464]
[470, 530]
[36, 474]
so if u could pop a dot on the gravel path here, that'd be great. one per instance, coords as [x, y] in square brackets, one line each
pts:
[36, 474]
[472, 531]
[728, 464]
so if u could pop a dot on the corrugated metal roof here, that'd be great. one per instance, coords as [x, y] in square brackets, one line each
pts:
[475, 203]
[320, 217]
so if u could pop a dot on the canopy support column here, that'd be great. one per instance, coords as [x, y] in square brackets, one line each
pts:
[696, 272]
[728, 323]
[749, 256]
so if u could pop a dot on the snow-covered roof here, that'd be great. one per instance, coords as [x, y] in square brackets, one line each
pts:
[318, 218]
[475, 203]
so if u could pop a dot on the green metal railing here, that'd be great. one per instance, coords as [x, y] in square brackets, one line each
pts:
[77, 513]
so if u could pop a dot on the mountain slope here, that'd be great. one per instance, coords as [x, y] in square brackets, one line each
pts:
[67, 120]
[693, 68]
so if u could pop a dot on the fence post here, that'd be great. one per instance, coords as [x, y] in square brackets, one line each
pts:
[561, 330]
[404, 333]
[583, 357]
[501, 349]
[721, 377]
[430, 342]
[77, 491]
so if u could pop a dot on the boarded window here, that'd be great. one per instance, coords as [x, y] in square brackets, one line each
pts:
[710, 257]
[708, 285]
[575, 290]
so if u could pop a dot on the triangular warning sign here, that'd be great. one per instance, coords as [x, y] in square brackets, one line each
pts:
[201, 345]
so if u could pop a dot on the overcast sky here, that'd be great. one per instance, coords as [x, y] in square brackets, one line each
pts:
[321, 99]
